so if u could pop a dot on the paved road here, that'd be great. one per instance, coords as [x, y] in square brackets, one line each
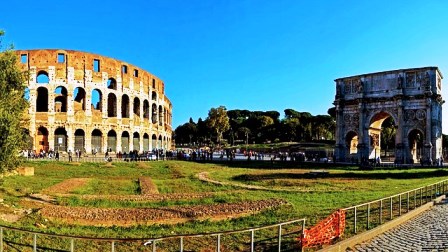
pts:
[426, 232]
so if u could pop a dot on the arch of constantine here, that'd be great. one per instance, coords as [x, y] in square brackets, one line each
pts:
[413, 100]
[87, 102]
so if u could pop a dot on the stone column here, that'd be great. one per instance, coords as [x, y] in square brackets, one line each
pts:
[401, 146]
[428, 134]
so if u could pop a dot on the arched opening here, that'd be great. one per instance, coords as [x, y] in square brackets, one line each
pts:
[80, 99]
[382, 133]
[145, 142]
[125, 106]
[112, 84]
[96, 100]
[136, 141]
[97, 141]
[80, 140]
[351, 140]
[111, 105]
[42, 100]
[42, 139]
[164, 143]
[154, 96]
[159, 143]
[42, 77]
[154, 113]
[60, 99]
[60, 139]
[415, 138]
[160, 115]
[26, 94]
[112, 140]
[29, 140]
[154, 142]
[136, 107]
[146, 109]
[125, 142]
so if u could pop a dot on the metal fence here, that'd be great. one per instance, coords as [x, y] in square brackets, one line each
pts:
[366, 216]
[277, 237]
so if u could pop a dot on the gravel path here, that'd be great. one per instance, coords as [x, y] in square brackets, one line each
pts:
[426, 232]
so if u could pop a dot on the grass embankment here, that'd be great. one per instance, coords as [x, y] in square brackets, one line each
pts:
[308, 197]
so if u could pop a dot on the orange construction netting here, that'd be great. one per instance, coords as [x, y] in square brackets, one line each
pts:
[325, 231]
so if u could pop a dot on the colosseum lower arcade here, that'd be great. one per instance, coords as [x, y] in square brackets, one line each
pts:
[87, 102]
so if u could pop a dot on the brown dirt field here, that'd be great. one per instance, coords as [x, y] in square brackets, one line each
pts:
[142, 198]
[162, 215]
[147, 186]
[66, 186]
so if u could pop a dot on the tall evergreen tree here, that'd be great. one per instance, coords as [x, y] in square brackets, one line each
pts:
[12, 109]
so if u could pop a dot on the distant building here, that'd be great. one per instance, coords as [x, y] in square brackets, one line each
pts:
[83, 101]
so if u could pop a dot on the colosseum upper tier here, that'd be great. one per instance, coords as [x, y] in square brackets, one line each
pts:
[87, 102]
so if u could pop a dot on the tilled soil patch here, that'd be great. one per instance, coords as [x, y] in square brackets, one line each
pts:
[147, 186]
[162, 215]
[142, 198]
[67, 185]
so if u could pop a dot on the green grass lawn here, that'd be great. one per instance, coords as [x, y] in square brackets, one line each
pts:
[311, 198]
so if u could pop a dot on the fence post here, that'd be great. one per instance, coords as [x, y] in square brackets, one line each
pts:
[1, 239]
[391, 208]
[113, 246]
[181, 244]
[355, 221]
[407, 203]
[381, 211]
[218, 243]
[72, 245]
[303, 232]
[368, 216]
[279, 237]
[252, 240]
[421, 196]
[154, 246]
[34, 242]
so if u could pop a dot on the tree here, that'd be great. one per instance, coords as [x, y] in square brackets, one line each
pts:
[218, 121]
[12, 109]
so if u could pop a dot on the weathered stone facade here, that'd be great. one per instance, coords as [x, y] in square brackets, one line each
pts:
[412, 97]
[94, 103]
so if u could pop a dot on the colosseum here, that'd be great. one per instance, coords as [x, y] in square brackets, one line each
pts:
[88, 102]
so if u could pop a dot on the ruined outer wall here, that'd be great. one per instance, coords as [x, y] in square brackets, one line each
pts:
[75, 70]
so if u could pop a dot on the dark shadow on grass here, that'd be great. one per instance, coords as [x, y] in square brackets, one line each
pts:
[349, 175]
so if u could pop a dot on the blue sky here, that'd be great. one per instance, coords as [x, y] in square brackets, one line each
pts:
[255, 55]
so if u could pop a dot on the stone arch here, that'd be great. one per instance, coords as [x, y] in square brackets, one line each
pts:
[396, 94]
[159, 143]
[42, 77]
[136, 141]
[376, 132]
[145, 109]
[125, 106]
[136, 106]
[415, 139]
[154, 113]
[112, 84]
[26, 94]
[154, 141]
[97, 141]
[112, 140]
[60, 99]
[80, 139]
[125, 142]
[160, 115]
[60, 139]
[80, 99]
[42, 100]
[145, 142]
[154, 96]
[96, 100]
[42, 139]
[111, 105]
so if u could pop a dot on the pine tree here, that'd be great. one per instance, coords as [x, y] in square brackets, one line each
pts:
[12, 107]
